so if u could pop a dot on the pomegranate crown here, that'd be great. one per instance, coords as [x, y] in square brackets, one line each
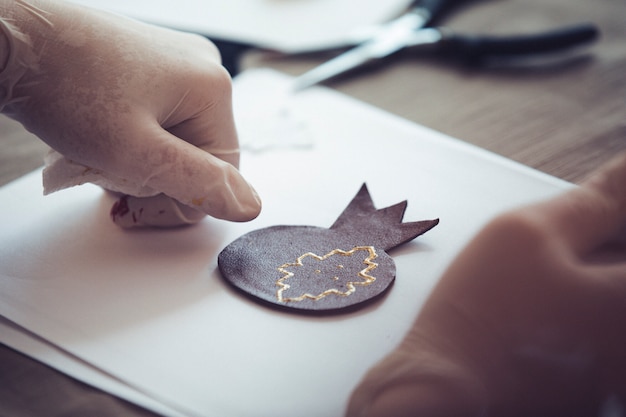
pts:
[382, 228]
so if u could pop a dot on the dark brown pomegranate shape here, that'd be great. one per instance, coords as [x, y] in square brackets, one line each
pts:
[319, 270]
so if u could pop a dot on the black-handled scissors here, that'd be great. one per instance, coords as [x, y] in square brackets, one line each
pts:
[412, 29]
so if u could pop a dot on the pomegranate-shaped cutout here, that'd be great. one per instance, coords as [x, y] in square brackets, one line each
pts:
[313, 269]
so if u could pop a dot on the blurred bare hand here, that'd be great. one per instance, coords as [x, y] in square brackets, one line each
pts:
[527, 321]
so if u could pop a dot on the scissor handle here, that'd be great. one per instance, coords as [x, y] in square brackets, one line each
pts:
[476, 49]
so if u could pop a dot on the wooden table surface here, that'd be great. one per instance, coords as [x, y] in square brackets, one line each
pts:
[564, 118]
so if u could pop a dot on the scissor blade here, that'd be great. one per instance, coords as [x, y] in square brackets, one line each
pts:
[338, 65]
[394, 37]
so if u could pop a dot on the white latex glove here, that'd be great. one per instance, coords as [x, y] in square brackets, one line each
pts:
[527, 321]
[138, 109]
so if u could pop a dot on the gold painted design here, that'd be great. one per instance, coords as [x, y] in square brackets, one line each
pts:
[364, 274]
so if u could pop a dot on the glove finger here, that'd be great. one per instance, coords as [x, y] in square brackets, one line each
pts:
[159, 160]
[218, 140]
[208, 125]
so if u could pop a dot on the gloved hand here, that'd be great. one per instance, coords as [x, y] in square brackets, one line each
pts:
[135, 108]
[527, 321]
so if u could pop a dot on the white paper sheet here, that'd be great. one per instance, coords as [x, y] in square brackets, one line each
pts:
[284, 25]
[39, 349]
[150, 308]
